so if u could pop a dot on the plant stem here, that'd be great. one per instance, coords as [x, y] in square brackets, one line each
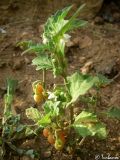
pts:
[71, 107]
[66, 83]
[71, 114]
[44, 78]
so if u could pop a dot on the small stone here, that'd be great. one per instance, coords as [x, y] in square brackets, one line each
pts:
[87, 67]
[89, 64]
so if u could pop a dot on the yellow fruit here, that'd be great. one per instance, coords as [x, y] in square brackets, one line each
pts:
[59, 145]
[38, 89]
[51, 139]
[61, 135]
[38, 98]
[46, 132]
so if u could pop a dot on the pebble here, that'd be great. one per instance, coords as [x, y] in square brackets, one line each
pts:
[87, 67]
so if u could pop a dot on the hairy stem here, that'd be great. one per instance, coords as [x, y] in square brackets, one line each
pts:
[44, 78]
[71, 107]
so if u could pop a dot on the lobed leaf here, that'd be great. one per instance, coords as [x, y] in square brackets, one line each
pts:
[85, 116]
[87, 124]
[42, 62]
[37, 48]
[55, 23]
[79, 84]
[33, 114]
[70, 24]
[53, 107]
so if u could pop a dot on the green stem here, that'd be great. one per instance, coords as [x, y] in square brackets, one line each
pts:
[44, 78]
[71, 107]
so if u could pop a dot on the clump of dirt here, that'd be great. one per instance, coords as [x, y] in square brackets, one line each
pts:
[94, 49]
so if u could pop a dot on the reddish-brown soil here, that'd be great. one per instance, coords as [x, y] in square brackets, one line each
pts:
[98, 45]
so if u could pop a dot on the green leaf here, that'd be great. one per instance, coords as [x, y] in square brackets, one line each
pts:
[61, 14]
[100, 130]
[37, 48]
[70, 24]
[33, 114]
[85, 116]
[114, 112]
[87, 124]
[20, 128]
[45, 120]
[77, 24]
[53, 107]
[57, 26]
[79, 84]
[54, 24]
[25, 44]
[82, 130]
[29, 131]
[42, 62]
[11, 86]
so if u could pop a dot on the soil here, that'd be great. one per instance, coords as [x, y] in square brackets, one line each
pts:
[96, 46]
